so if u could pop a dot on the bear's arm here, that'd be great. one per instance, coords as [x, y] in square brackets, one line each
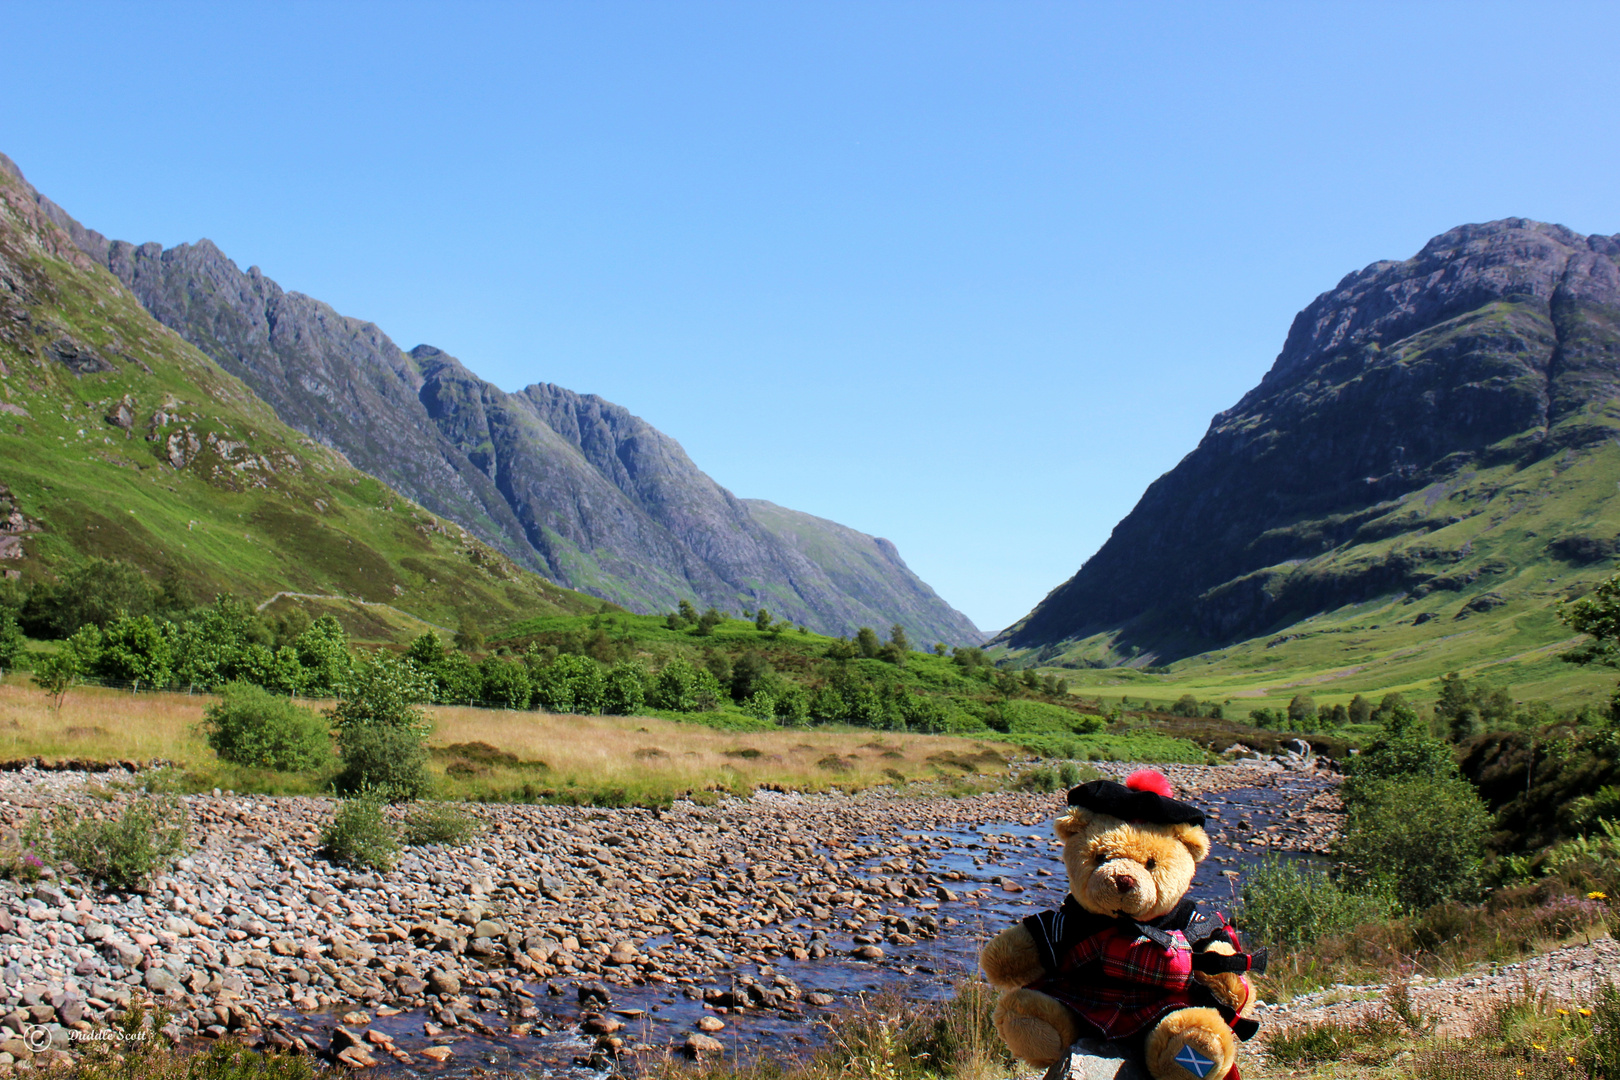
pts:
[1011, 959]
[1230, 988]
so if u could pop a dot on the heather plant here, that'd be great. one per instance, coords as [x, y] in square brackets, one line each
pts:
[360, 834]
[126, 851]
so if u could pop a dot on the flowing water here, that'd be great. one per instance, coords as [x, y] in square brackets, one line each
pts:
[1245, 825]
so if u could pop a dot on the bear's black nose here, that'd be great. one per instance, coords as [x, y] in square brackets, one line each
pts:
[1124, 883]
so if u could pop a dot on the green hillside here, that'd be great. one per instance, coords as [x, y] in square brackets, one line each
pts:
[1502, 547]
[121, 441]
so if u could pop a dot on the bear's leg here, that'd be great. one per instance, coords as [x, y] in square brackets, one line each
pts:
[1191, 1044]
[1036, 1028]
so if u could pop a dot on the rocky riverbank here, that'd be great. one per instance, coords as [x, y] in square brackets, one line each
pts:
[577, 931]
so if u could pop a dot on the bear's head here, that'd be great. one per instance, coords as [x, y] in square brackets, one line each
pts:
[1130, 848]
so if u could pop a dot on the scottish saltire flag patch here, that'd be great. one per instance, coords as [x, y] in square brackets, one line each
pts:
[1194, 1062]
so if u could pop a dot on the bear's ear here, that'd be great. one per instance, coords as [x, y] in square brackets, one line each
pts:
[1073, 822]
[1195, 838]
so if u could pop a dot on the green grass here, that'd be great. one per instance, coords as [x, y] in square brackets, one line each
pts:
[257, 509]
[1506, 530]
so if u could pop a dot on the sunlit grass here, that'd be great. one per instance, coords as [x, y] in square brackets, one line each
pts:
[485, 754]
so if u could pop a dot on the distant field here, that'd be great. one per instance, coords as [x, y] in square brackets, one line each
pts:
[539, 755]
[1369, 649]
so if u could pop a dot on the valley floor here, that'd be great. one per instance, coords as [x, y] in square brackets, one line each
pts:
[742, 923]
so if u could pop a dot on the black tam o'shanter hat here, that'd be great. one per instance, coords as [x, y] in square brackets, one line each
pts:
[1144, 797]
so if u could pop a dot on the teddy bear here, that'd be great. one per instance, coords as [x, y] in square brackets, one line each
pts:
[1127, 957]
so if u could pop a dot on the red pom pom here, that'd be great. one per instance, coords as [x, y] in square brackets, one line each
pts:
[1149, 780]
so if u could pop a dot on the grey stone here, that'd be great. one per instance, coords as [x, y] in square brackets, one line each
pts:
[160, 981]
[1097, 1059]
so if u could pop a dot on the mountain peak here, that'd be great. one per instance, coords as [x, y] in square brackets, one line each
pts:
[1496, 345]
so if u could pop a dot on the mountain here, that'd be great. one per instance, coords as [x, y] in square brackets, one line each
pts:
[1442, 431]
[567, 484]
[120, 440]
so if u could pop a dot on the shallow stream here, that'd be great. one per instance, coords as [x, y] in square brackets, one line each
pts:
[541, 1035]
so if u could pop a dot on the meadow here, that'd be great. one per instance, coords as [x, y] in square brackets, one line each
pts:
[496, 755]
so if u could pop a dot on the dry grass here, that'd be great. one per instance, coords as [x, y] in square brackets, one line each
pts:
[648, 757]
[100, 724]
[525, 755]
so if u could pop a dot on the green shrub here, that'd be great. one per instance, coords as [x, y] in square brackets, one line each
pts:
[1040, 778]
[392, 761]
[437, 823]
[1287, 906]
[1425, 838]
[251, 726]
[360, 835]
[384, 692]
[124, 852]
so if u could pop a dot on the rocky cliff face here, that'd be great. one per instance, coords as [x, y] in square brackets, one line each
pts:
[567, 484]
[1496, 346]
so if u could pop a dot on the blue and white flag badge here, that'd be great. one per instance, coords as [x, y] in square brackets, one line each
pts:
[1194, 1062]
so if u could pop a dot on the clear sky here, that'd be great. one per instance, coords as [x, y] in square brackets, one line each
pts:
[965, 275]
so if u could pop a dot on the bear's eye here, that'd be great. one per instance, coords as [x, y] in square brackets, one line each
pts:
[1150, 864]
[1100, 858]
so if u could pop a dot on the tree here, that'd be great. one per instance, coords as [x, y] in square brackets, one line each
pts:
[427, 651]
[626, 690]
[866, 643]
[1185, 705]
[707, 622]
[210, 646]
[384, 691]
[55, 674]
[1360, 710]
[750, 675]
[469, 638]
[842, 649]
[95, 593]
[503, 684]
[762, 620]
[1301, 713]
[571, 684]
[136, 650]
[688, 612]
[1403, 752]
[323, 651]
[898, 638]
[1455, 707]
[940, 649]
[12, 643]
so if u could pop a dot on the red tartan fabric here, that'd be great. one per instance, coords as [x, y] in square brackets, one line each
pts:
[1122, 982]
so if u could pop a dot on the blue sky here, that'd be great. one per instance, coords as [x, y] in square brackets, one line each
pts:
[965, 275]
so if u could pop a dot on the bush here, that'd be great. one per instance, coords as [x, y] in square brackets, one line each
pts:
[360, 836]
[1426, 838]
[123, 852]
[1288, 906]
[253, 727]
[391, 761]
[437, 823]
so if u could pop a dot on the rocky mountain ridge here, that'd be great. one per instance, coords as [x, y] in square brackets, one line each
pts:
[1420, 418]
[567, 484]
[120, 440]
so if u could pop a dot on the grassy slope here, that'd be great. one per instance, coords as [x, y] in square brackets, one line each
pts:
[1489, 532]
[256, 508]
